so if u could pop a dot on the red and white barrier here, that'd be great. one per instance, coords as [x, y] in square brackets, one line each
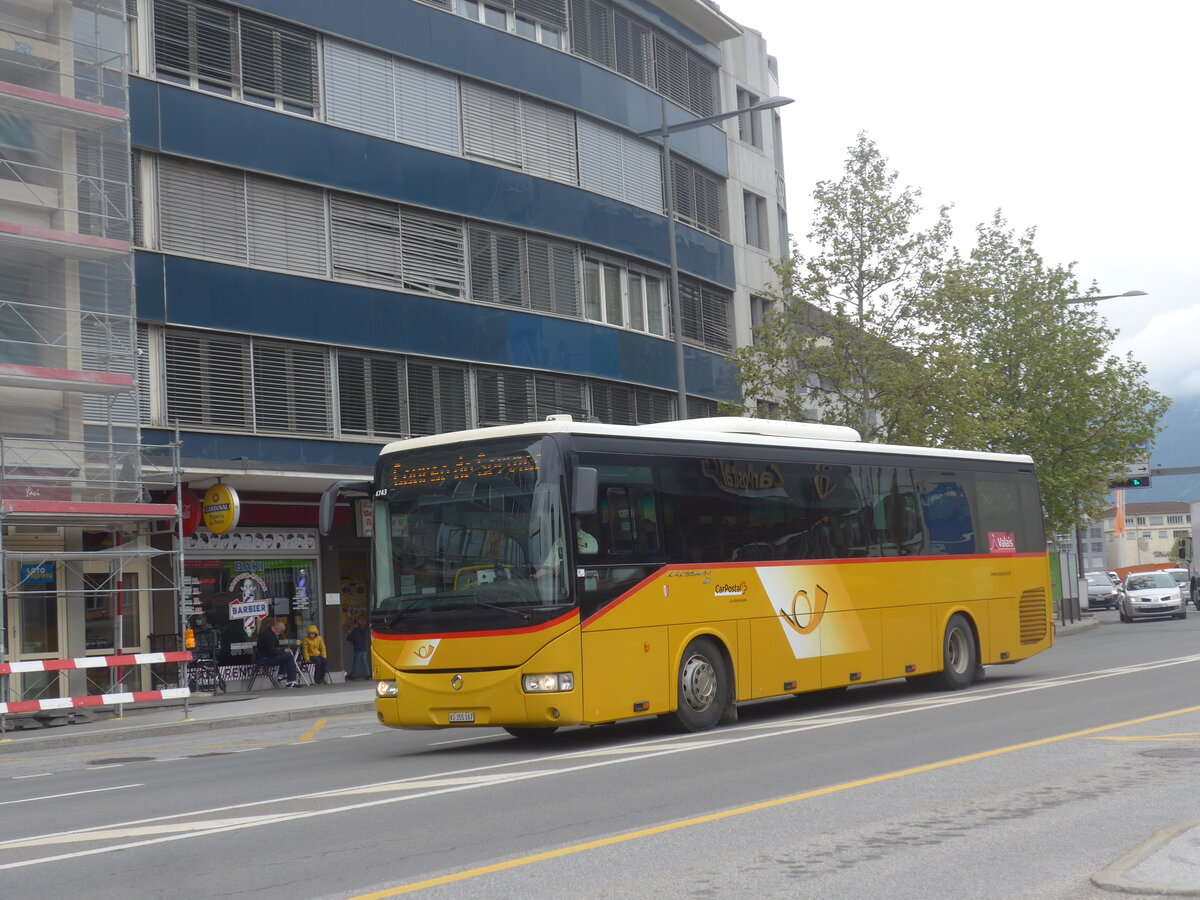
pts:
[23, 706]
[94, 662]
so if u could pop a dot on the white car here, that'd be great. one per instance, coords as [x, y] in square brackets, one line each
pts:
[1151, 594]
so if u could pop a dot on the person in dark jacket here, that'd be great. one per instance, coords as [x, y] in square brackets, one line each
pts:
[360, 643]
[269, 652]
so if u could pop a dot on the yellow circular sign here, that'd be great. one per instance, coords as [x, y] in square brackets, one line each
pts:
[222, 508]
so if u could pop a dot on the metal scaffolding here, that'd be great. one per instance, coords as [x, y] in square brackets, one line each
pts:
[89, 517]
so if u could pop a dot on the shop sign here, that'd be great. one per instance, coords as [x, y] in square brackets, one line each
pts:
[191, 513]
[256, 609]
[364, 518]
[37, 573]
[253, 540]
[222, 507]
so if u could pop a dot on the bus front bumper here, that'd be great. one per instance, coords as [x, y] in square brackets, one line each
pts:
[495, 698]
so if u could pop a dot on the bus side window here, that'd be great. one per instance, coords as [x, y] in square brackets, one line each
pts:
[620, 521]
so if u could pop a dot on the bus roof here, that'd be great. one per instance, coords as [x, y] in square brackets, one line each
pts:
[717, 430]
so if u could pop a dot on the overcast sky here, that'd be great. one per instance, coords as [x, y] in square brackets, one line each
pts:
[1077, 118]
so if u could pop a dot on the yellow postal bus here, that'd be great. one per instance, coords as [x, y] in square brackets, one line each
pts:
[566, 573]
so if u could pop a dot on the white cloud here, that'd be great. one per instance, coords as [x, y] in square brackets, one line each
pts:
[1071, 116]
[1167, 345]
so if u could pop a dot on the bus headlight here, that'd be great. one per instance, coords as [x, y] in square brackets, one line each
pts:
[554, 682]
[385, 689]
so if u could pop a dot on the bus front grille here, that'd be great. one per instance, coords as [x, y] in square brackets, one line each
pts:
[1035, 618]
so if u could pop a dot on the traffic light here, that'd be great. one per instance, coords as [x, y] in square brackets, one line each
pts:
[1135, 481]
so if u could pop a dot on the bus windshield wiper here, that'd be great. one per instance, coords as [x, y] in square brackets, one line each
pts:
[507, 610]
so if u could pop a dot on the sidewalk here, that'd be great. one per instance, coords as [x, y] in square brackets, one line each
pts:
[204, 712]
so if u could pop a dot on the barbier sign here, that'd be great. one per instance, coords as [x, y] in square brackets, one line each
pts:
[255, 609]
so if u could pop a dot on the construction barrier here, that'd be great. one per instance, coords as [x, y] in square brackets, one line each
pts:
[95, 662]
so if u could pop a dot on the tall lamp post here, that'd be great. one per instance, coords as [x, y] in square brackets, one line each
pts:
[664, 131]
[1079, 522]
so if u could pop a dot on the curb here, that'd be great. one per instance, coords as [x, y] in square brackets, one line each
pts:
[183, 726]
[1114, 876]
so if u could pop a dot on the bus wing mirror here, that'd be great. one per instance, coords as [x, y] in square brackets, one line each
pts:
[329, 501]
[587, 481]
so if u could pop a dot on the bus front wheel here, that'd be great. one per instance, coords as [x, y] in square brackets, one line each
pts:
[702, 687]
[959, 659]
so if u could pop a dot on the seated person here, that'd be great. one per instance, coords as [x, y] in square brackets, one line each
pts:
[313, 651]
[269, 652]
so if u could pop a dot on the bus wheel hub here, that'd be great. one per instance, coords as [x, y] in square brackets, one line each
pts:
[699, 681]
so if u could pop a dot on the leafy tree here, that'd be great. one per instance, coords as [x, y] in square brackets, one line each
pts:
[1038, 372]
[844, 335]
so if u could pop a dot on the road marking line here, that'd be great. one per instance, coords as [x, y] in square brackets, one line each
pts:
[38, 775]
[749, 808]
[636, 750]
[119, 787]
[312, 732]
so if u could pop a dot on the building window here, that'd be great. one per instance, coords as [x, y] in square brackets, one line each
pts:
[602, 300]
[698, 197]
[705, 315]
[1174, 520]
[755, 210]
[216, 49]
[613, 38]
[543, 21]
[749, 123]
[618, 295]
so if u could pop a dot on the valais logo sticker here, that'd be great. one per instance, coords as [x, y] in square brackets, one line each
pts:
[1002, 542]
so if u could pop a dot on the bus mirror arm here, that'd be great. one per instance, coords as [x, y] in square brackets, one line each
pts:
[583, 500]
[329, 501]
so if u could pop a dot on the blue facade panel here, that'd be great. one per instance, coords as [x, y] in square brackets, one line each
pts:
[197, 125]
[442, 39]
[215, 296]
[304, 453]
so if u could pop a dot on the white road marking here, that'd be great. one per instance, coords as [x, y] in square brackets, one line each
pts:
[119, 787]
[473, 778]
[38, 775]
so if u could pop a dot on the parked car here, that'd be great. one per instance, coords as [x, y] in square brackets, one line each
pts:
[1151, 594]
[1101, 592]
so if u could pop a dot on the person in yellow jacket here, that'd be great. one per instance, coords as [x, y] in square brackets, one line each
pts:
[313, 650]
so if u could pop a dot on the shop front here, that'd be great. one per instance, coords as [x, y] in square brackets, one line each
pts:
[244, 579]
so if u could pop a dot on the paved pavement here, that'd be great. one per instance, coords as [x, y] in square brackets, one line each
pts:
[203, 712]
[1165, 864]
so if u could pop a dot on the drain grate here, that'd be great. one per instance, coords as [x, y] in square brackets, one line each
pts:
[1174, 753]
[117, 760]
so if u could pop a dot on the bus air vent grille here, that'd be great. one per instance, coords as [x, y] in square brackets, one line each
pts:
[1035, 618]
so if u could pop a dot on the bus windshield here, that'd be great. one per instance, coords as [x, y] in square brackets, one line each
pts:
[469, 538]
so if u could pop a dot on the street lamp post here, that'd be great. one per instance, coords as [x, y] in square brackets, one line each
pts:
[1079, 524]
[664, 131]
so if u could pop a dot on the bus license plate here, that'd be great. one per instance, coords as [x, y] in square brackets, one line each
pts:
[462, 717]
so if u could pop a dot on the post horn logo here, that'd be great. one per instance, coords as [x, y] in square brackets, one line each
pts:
[424, 651]
[815, 611]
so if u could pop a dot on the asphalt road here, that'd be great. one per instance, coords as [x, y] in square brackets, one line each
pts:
[1022, 786]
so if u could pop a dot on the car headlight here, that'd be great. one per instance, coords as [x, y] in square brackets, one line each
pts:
[385, 689]
[552, 682]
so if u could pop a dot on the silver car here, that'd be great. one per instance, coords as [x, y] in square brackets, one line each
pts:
[1151, 594]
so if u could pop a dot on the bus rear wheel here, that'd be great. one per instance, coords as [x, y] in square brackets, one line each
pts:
[702, 688]
[959, 659]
